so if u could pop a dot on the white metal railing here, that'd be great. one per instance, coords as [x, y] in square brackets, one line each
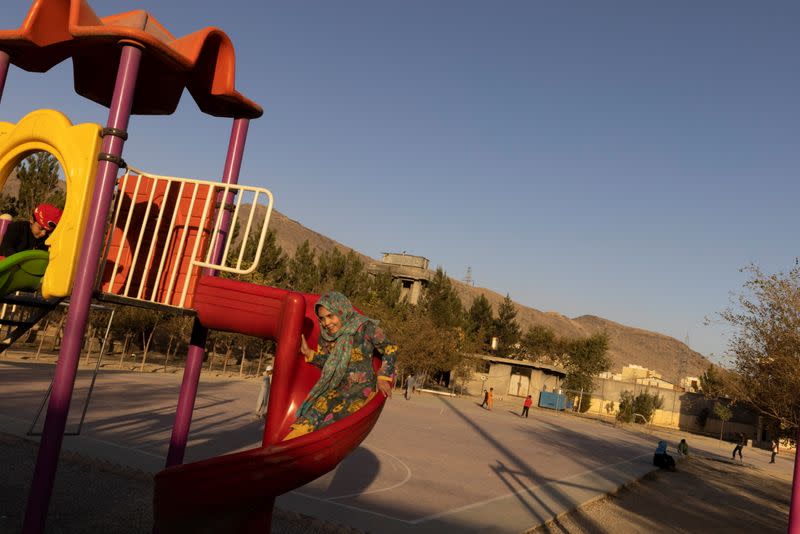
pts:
[153, 235]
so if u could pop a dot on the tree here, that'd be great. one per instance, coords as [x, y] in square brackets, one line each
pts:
[385, 291]
[712, 383]
[38, 182]
[644, 404]
[440, 301]
[539, 341]
[585, 359]
[426, 347]
[506, 328]
[766, 345]
[724, 413]
[626, 411]
[303, 274]
[272, 267]
[343, 273]
[141, 322]
[480, 322]
[702, 417]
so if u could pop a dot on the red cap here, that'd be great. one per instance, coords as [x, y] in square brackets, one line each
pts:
[47, 216]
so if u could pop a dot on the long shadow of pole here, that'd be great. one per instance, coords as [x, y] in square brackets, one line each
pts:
[521, 470]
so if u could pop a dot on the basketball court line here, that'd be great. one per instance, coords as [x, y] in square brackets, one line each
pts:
[459, 509]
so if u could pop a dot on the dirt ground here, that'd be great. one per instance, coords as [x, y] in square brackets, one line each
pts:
[112, 498]
[703, 495]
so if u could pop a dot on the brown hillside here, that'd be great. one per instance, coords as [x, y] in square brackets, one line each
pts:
[290, 234]
[628, 345]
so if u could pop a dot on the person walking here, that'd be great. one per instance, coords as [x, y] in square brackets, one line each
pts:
[490, 399]
[526, 406]
[774, 450]
[683, 448]
[485, 398]
[739, 446]
[409, 386]
[263, 394]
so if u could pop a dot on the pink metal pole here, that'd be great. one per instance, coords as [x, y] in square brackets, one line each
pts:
[794, 510]
[233, 164]
[3, 226]
[197, 345]
[5, 61]
[64, 380]
[186, 398]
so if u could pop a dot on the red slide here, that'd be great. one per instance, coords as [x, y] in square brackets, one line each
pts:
[235, 492]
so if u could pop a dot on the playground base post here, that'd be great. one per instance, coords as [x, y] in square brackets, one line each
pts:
[794, 510]
[197, 346]
[5, 61]
[67, 366]
[187, 396]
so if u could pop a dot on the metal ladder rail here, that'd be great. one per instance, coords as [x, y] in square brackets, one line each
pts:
[42, 307]
[88, 396]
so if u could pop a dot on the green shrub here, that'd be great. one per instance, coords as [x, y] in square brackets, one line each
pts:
[625, 413]
[644, 404]
[586, 402]
[702, 417]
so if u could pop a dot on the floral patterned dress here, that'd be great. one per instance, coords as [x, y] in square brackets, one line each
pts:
[359, 383]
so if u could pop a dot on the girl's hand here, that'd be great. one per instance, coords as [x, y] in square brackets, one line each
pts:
[385, 387]
[304, 350]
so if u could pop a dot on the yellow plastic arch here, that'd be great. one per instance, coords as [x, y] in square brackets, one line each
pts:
[76, 148]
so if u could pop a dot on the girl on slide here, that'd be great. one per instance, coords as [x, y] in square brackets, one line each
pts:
[348, 381]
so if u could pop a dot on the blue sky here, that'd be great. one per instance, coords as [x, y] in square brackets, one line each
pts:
[621, 159]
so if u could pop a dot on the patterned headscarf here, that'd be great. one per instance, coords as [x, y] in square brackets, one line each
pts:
[336, 364]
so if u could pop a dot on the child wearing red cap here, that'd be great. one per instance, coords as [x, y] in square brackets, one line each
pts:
[30, 234]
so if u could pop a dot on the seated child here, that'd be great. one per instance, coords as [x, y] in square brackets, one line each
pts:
[31, 234]
[661, 459]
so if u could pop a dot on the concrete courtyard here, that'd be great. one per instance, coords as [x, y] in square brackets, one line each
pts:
[432, 464]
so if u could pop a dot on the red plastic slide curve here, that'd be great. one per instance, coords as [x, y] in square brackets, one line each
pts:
[244, 484]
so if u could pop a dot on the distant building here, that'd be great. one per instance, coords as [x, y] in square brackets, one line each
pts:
[655, 382]
[412, 271]
[637, 374]
[516, 378]
[690, 383]
[632, 373]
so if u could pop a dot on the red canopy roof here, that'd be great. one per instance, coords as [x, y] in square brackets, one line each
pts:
[204, 62]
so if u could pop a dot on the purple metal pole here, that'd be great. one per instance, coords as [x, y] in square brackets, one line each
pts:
[186, 398]
[5, 61]
[5, 219]
[197, 345]
[233, 163]
[64, 380]
[794, 510]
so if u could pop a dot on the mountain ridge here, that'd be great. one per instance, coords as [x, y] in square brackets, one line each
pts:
[627, 344]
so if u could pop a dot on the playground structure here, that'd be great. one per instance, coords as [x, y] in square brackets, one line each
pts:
[167, 239]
